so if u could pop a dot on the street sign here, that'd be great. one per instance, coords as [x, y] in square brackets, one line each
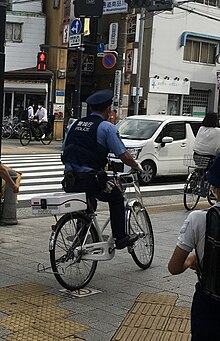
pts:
[75, 40]
[101, 47]
[109, 60]
[76, 26]
[113, 36]
[100, 54]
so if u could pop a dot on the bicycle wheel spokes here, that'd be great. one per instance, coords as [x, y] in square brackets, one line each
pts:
[71, 271]
[139, 222]
[190, 195]
[25, 137]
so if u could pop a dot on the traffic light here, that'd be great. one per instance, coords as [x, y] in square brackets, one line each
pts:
[151, 5]
[42, 61]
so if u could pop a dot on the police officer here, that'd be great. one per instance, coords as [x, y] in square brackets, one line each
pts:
[85, 150]
[205, 311]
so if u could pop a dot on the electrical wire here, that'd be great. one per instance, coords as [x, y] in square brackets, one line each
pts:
[198, 13]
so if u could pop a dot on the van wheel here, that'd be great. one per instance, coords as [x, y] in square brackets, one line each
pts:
[149, 173]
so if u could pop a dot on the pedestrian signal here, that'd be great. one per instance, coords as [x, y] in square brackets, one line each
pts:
[42, 61]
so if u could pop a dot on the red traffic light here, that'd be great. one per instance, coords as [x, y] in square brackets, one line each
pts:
[42, 61]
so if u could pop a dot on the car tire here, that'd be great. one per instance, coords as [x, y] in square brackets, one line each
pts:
[149, 173]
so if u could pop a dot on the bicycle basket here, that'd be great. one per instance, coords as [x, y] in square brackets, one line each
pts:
[196, 161]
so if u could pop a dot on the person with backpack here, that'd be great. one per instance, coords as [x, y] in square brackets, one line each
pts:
[198, 248]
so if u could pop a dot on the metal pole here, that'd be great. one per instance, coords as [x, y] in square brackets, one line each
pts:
[79, 75]
[2, 60]
[139, 61]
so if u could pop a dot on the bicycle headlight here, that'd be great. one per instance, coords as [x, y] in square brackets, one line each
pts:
[134, 152]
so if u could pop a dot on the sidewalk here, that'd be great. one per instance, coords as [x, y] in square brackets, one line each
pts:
[126, 304]
[129, 304]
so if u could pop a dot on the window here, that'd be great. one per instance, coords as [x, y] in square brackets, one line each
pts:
[195, 127]
[175, 130]
[203, 52]
[13, 32]
[214, 3]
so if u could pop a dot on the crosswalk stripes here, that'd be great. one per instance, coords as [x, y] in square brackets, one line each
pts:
[43, 173]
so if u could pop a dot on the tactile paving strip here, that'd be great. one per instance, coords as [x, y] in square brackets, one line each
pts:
[33, 316]
[155, 317]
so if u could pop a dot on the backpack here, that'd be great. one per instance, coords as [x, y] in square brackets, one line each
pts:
[209, 274]
[23, 115]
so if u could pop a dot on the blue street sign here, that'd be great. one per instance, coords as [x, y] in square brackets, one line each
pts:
[76, 26]
[101, 47]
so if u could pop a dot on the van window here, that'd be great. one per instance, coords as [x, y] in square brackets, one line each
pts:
[175, 130]
[137, 129]
[195, 127]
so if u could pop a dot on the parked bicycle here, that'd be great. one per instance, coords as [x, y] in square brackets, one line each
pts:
[78, 242]
[31, 131]
[196, 185]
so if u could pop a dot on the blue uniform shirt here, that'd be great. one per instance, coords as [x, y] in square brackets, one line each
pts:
[108, 137]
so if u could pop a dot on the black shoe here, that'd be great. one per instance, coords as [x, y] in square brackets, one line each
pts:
[127, 241]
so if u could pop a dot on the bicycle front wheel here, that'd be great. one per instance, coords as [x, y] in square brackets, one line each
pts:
[190, 194]
[139, 223]
[73, 231]
[25, 137]
[211, 196]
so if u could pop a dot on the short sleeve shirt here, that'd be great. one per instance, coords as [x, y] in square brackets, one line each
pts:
[192, 232]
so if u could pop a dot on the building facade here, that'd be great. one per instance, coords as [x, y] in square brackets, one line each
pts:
[25, 32]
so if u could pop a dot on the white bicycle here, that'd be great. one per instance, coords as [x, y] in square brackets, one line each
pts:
[77, 242]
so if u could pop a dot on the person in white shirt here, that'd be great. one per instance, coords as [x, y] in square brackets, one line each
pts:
[207, 142]
[30, 112]
[41, 115]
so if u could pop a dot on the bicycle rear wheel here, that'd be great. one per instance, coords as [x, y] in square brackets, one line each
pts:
[72, 232]
[25, 137]
[48, 139]
[139, 222]
[190, 194]
[211, 196]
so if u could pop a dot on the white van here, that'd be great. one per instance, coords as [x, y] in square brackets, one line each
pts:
[159, 142]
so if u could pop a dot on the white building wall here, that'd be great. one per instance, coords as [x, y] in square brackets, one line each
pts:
[24, 55]
[32, 6]
[167, 55]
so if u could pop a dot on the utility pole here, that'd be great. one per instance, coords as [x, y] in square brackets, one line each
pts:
[79, 74]
[139, 61]
[122, 45]
[2, 60]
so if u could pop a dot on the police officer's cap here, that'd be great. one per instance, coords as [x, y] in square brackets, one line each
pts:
[100, 97]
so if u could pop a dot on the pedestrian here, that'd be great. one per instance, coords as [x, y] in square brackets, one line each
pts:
[6, 176]
[30, 110]
[41, 115]
[86, 148]
[113, 116]
[207, 141]
[189, 252]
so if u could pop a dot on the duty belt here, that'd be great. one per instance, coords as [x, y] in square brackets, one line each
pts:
[80, 175]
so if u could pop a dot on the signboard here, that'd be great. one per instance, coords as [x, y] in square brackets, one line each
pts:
[58, 111]
[117, 87]
[199, 111]
[66, 30]
[112, 6]
[76, 26]
[109, 60]
[169, 86]
[113, 36]
[75, 40]
[101, 47]
[129, 59]
[133, 29]
[60, 96]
